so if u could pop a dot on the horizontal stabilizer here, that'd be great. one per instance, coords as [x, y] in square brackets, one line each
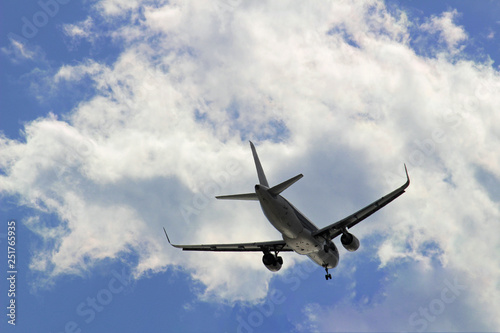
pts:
[245, 196]
[275, 190]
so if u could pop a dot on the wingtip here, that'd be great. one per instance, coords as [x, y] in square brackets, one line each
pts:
[407, 176]
[165, 231]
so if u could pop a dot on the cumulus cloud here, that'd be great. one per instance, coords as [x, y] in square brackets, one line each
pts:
[332, 90]
[449, 33]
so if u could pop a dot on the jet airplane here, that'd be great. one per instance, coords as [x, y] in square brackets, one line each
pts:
[298, 232]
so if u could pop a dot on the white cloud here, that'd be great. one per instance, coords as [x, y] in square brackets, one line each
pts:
[19, 50]
[332, 90]
[117, 8]
[81, 29]
[449, 33]
[412, 299]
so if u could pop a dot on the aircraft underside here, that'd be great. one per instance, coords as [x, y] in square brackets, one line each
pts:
[299, 234]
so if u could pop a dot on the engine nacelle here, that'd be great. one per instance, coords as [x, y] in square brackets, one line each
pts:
[272, 262]
[349, 241]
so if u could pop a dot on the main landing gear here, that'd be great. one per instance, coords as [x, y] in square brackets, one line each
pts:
[327, 276]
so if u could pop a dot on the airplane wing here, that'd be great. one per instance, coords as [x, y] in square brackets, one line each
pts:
[335, 229]
[272, 246]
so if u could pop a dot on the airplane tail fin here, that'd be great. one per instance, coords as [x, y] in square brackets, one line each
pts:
[260, 171]
[275, 190]
[262, 181]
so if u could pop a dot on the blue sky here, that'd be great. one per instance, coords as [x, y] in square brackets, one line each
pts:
[120, 118]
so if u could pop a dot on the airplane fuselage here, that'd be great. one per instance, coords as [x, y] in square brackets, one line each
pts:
[299, 234]
[296, 229]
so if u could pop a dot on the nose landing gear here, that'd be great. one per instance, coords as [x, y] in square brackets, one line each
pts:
[327, 276]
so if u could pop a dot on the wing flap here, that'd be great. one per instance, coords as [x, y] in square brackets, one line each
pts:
[279, 245]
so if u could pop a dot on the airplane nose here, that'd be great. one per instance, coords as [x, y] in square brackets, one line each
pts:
[257, 187]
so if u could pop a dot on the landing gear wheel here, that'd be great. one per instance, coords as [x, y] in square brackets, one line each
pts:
[327, 276]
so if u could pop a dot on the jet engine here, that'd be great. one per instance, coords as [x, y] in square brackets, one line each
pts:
[272, 262]
[349, 241]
